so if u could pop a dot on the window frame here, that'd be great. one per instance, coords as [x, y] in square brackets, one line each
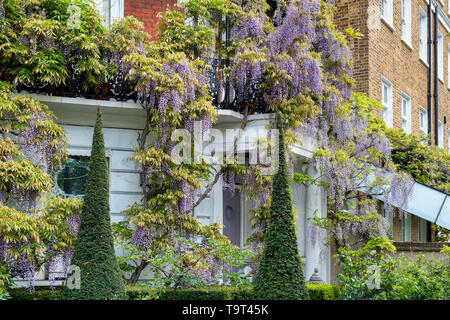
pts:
[406, 227]
[389, 105]
[388, 14]
[423, 229]
[406, 22]
[424, 112]
[423, 35]
[448, 140]
[110, 10]
[406, 118]
[440, 134]
[440, 48]
[448, 64]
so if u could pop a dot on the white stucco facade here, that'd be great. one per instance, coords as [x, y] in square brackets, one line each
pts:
[122, 122]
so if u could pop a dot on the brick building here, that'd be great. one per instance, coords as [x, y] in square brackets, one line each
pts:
[145, 10]
[391, 61]
[392, 65]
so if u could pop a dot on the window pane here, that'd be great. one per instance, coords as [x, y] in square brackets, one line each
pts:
[405, 125]
[71, 179]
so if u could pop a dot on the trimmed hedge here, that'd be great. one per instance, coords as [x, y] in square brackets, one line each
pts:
[315, 291]
[322, 291]
[40, 293]
[211, 293]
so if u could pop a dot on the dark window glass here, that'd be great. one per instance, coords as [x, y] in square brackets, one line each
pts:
[71, 179]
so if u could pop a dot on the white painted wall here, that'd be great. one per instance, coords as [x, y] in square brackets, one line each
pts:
[122, 122]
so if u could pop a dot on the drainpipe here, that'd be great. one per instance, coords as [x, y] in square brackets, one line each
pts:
[436, 87]
[429, 52]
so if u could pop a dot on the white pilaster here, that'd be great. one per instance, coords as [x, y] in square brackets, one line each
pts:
[313, 206]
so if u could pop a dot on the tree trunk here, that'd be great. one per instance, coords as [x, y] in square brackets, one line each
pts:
[137, 273]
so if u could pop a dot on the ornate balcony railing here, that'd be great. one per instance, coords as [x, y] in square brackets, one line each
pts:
[117, 88]
[120, 89]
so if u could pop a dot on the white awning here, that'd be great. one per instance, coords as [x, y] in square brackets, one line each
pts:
[428, 203]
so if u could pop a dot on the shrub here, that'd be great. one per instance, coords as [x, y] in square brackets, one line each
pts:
[40, 293]
[316, 292]
[371, 274]
[280, 272]
[6, 282]
[94, 249]
[322, 291]
[204, 293]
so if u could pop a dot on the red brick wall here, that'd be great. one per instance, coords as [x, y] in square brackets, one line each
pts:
[381, 53]
[146, 11]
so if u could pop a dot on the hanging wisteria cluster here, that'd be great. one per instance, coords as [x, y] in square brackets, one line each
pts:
[302, 66]
[33, 228]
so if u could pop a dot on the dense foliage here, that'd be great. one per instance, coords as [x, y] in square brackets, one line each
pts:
[41, 43]
[288, 59]
[35, 230]
[94, 250]
[372, 273]
[427, 164]
[280, 272]
[191, 264]
[316, 292]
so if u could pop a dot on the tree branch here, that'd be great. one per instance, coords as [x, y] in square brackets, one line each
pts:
[219, 173]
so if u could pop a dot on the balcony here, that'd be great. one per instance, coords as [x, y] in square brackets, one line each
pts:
[121, 90]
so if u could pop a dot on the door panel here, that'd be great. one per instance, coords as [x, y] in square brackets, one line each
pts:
[232, 216]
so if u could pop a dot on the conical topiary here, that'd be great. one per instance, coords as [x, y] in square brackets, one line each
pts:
[280, 272]
[94, 249]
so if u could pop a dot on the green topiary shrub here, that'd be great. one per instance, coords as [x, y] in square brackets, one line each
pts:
[322, 291]
[280, 272]
[94, 249]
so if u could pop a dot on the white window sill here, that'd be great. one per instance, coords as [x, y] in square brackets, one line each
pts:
[441, 80]
[388, 24]
[424, 62]
[408, 45]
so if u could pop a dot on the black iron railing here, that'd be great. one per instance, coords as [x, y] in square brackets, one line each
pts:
[118, 88]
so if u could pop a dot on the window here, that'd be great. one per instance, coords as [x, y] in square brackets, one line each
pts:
[423, 230]
[406, 113]
[390, 220]
[110, 10]
[406, 21]
[448, 66]
[386, 101]
[423, 35]
[387, 11]
[440, 134]
[448, 140]
[440, 48]
[406, 227]
[71, 179]
[423, 120]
